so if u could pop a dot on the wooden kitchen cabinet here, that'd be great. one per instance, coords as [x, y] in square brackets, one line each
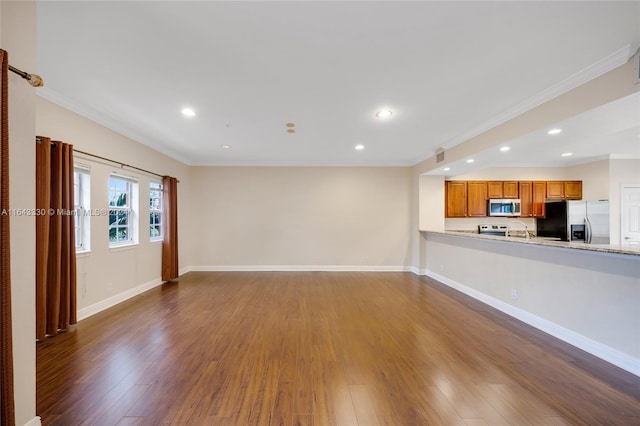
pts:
[539, 196]
[469, 198]
[510, 189]
[564, 190]
[555, 189]
[573, 190]
[532, 197]
[495, 189]
[502, 189]
[477, 198]
[526, 198]
[455, 199]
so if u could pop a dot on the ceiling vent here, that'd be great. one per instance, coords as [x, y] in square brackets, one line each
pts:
[440, 155]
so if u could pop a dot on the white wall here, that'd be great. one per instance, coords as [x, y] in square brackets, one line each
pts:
[302, 217]
[18, 36]
[112, 273]
[589, 298]
[431, 203]
[594, 177]
[620, 172]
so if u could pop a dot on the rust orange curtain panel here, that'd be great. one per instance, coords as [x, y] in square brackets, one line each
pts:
[170, 226]
[55, 238]
[7, 410]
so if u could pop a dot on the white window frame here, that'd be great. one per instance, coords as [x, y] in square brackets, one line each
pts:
[157, 210]
[130, 209]
[82, 207]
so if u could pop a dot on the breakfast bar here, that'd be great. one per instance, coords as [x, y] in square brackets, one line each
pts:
[586, 295]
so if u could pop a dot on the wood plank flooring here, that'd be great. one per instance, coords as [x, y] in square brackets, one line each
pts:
[320, 348]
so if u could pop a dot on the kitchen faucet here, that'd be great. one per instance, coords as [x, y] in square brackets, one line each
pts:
[527, 234]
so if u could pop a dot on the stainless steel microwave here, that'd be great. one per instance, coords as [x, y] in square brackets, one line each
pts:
[503, 207]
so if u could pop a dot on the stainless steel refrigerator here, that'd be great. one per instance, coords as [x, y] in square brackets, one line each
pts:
[575, 221]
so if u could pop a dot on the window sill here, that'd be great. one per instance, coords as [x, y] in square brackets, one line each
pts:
[83, 253]
[123, 247]
[155, 241]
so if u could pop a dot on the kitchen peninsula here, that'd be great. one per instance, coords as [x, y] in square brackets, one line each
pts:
[588, 296]
[585, 295]
[633, 250]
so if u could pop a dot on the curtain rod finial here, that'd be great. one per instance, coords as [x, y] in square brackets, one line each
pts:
[35, 80]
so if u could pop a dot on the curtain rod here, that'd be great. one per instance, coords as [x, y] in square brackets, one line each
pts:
[38, 140]
[34, 79]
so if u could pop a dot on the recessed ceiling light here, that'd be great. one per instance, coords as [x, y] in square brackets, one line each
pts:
[360, 147]
[291, 131]
[385, 113]
[567, 154]
[470, 160]
[554, 131]
[446, 169]
[291, 125]
[225, 146]
[505, 149]
[188, 112]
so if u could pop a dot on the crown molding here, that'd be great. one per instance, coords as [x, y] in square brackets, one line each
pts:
[104, 120]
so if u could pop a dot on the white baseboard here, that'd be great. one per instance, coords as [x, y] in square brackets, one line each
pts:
[34, 422]
[305, 268]
[118, 298]
[418, 271]
[128, 294]
[607, 353]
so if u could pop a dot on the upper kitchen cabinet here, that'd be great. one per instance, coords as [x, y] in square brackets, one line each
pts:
[526, 199]
[532, 196]
[564, 190]
[502, 189]
[495, 189]
[477, 199]
[456, 199]
[573, 190]
[555, 189]
[469, 198]
[510, 189]
[539, 196]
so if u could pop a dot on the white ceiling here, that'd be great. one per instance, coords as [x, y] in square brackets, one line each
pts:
[609, 131]
[447, 70]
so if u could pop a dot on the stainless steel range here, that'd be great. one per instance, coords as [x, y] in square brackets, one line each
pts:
[493, 229]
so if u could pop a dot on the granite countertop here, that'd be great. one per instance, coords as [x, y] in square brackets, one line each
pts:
[603, 248]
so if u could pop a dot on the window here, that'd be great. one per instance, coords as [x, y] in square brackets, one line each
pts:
[81, 199]
[122, 209]
[155, 211]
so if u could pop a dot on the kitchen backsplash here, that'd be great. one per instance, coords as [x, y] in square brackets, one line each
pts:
[471, 224]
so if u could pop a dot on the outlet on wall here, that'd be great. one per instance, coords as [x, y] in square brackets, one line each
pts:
[514, 294]
[441, 267]
[109, 286]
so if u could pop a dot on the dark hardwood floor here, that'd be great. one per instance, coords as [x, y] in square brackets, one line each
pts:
[321, 348]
